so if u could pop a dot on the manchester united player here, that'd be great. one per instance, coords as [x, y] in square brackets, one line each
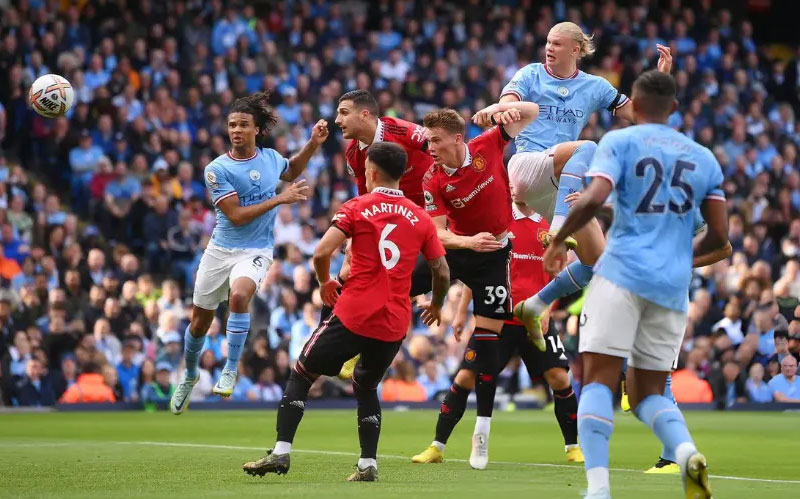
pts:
[372, 314]
[467, 193]
[357, 116]
[527, 277]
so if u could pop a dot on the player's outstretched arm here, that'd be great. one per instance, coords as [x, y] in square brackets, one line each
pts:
[242, 215]
[715, 238]
[512, 116]
[330, 243]
[579, 215]
[299, 161]
[441, 283]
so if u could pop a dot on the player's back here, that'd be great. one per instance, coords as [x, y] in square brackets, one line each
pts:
[661, 177]
[388, 232]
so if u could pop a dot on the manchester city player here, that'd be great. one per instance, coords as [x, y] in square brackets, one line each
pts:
[636, 307]
[550, 163]
[242, 183]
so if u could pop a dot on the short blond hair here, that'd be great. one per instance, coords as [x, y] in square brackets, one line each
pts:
[572, 30]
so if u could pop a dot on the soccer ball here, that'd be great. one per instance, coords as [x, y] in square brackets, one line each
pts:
[51, 96]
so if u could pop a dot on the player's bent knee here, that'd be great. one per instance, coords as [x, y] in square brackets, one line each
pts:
[557, 378]
[466, 379]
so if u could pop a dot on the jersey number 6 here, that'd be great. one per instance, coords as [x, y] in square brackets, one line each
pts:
[384, 246]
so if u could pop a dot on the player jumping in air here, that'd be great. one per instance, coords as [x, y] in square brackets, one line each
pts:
[372, 315]
[527, 277]
[242, 183]
[550, 163]
[636, 306]
[467, 194]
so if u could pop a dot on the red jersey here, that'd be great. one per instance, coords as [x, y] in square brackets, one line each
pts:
[388, 231]
[528, 276]
[475, 197]
[407, 135]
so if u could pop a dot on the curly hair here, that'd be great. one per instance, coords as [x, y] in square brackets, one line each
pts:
[257, 105]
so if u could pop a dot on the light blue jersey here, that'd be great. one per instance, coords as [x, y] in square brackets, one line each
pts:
[660, 177]
[254, 180]
[565, 104]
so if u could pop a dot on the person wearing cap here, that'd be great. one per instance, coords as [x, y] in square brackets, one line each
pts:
[172, 353]
[160, 390]
[786, 385]
[163, 181]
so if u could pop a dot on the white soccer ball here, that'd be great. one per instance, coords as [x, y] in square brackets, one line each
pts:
[51, 95]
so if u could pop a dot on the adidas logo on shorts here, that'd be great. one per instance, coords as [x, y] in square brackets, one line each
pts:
[298, 403]
[500, 309]
[372, 420]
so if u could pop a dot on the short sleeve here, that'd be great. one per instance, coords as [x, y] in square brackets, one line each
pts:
[715, 179]
[283, 163]
[432, 247]
[344, 219]
[608, 97]
[434, 203]
[217, 183]
[495, 137]
[519, 85]
[606, 161]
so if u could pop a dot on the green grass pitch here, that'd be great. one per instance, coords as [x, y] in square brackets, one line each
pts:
[199, 454]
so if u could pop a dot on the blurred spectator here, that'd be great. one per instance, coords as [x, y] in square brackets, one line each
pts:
[403, 386]
[265, 389]
[128, 372]
[728, 386]
[160, 389]
[433, 379]
[786, 385]
[90, 387]
[757, 390]
[35, 389]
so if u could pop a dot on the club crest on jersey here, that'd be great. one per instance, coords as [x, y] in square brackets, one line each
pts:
[255, 175]
[470, 355]
[350, 170]
[211, 179]
[542, 235]
[449, 188]
[562, 91]
[478, 164]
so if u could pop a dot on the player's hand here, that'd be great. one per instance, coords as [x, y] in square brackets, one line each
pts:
[664, 58]
[572, 198]
[298, 191]
[431, 314]
[459, 322]
[507, 117]
[329, 291]
[483, 118]
[320, 132]
[555, 258]
[484, 242]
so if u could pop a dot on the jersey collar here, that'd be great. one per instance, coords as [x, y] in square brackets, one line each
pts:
[378, 136]
[247, 159]
[467, 161]
[559, 77]
[388, 191]
[518, 215]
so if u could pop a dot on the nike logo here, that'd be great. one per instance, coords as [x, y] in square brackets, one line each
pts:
[179, 407]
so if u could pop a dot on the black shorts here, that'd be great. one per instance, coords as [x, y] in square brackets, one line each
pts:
[486, 274]
[514, 341]
[332, 344]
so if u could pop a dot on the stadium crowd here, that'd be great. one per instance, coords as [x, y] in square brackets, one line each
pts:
[104, 215]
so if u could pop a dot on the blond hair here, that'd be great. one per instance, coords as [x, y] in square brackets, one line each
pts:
[572, 30]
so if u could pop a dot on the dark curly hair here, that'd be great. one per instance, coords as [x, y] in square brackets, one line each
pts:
[257, 105]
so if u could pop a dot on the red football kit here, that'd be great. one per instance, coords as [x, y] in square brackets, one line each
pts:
[528, 276]
[388, 231]
[475, 197]
[410, 137]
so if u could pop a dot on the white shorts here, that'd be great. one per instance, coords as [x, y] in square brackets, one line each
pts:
[618, 322]
[219, 267]
[533, 178]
